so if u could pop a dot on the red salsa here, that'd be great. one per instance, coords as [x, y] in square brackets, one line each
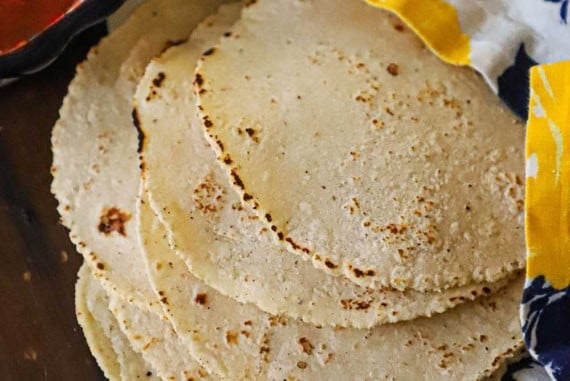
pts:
[22, 19]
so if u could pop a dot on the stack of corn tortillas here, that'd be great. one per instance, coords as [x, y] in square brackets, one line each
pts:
[289, 190]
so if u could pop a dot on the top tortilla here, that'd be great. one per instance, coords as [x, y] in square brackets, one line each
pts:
[361, 150]
[224, 244]
[95, 164]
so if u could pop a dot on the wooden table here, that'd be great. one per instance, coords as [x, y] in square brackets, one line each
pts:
[39, 335]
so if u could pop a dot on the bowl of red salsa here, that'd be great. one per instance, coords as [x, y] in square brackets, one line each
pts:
[34, 32]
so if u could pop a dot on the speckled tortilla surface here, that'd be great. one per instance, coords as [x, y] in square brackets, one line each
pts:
[362, 151]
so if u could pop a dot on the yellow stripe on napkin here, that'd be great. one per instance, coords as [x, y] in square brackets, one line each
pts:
[436, 23]
[547, 205]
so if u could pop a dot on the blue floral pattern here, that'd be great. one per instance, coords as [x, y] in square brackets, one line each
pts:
[546, 322]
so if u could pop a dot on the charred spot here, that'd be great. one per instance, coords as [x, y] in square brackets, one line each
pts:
[274, 228]
[330, 264]
[306, 346]
[198, 79]
[149, 373]
[100, 266]
[486, 290]
[164, 300]
[252, 134]
[220, 144]
[268, 217]
[399, 27]
[351, 304]
[296, 246]
[362, 273]
[228, 160]
[170, 43]
[237, 180]
[228, 34]
[264, 349]
[280, 236]
[209, 52]
[113, 220]
[201, 299]
[247, 197]
[140, 133]
[207, 122]
[393, 69]
[160, 77]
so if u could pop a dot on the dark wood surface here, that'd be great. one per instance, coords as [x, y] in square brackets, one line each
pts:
[39, 335]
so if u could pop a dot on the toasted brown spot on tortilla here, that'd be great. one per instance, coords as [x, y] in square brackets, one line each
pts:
[361, 273]
[160, 77]
[209, 52]
[140, 133]
[208, 123]
[296, 246]
[100, 266]
[301, 365]
[247, 197]
[231, 337]
[330, 264]
[352, 304]
[393, 69]
[252, 133]
[306, 345]
[201, 299]
[237, 179]
[198, 79]
[113, 220]
[147, 345]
